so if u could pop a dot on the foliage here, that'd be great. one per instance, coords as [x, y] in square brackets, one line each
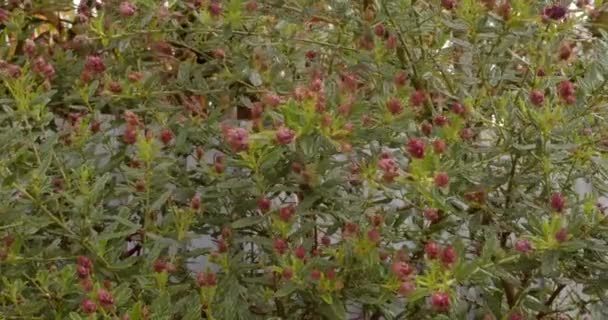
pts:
[349, 159]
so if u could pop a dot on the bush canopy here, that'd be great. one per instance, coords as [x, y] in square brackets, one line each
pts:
[303, 159]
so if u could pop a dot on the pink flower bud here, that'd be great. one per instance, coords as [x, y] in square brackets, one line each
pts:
[127, 9]
[523, 246]
[406, 288]
[440, 301]
[402, 269]
[537, 97]
[88, 306]
[105, 298]
[285, 135]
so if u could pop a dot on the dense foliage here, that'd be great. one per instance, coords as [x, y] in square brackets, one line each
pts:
[303, 159]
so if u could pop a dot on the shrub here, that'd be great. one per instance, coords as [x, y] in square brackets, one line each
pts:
[302, 160]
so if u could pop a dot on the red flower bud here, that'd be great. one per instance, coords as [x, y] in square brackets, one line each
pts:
[415, 148]
[330, 274]
[448, 256]
[130, 135]
[286, 213]
[400, 79]
[555, 12]
[440, 120]
[251, 5]
[280, 246]
[467, 134]
[458, 108]
[537, 97]
[215, 8]
[439, 146]
[565, 89]
[195, 202]
[379, 30]
[417, 98]
[373, 235]
[442, 179]
[516, 316]
[310, 55]
[264, 204]
[431, 249]
[287, 273]
[166, 135]
[85, 262]
[350, 228]
[391, 42]
[426, 128]
[83, 272]
[94, 64]
[159, 265]
[562, 235]
[558, 202]
[540, 72]
[95, 126]
[206, 279]
[325, 240]
[377, 220]
[300, 252]
[105, 298]
[394, 106]
[431, 214]
[448, 4]
[315, 274]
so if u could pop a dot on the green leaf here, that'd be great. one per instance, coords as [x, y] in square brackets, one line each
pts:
[75, 316]
[161, 200]
[417, 295]
[286, 290]
[122, 294]
[549, 262]
[247, 222]
[333, 311]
